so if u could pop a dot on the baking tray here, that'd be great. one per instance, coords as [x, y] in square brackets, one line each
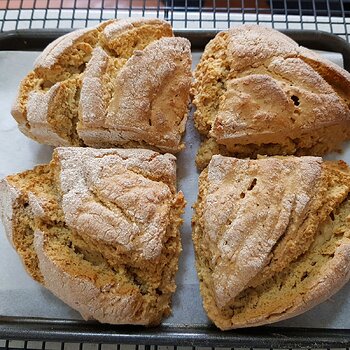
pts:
[188, 326]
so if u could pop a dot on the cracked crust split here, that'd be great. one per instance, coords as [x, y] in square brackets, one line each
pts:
[271, 237]
[122, 83]
[257, 92]
[100, 230]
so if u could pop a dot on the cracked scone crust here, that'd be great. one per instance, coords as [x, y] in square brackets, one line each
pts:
[100, 230]
[257, 92]
[122, 83]
[271, 236]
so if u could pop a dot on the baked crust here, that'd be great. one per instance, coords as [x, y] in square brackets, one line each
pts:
[161, 72]
[100, 230]
[271, 236]
[122, 83]
[7, 200]
[257, 91]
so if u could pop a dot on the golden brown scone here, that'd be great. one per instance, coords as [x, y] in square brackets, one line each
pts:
[257, 92]
[100, 230]
[271, 236]
[122, 83]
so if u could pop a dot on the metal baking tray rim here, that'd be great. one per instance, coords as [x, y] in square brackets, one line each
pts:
[21, 328]
[37, 39]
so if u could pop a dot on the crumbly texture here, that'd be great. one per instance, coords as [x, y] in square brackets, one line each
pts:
[257, 92]
[122, 82]
[271, 236]
[100, 230]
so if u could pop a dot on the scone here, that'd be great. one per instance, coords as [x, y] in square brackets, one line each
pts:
[256, 91]
[271, 236]
[100, 230]
[122, 83]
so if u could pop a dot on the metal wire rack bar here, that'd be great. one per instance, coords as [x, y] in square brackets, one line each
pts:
[328, 15]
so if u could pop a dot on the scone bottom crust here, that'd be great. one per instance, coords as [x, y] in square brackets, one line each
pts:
[89, 88]
[100, 230]
[271, 236]
[256, 91]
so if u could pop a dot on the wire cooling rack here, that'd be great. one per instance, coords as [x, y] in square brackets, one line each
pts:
[328, 15]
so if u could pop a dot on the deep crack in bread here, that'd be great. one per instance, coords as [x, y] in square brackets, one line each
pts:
[256, 91]
[122, 83]
[100, 230]
[271, 236]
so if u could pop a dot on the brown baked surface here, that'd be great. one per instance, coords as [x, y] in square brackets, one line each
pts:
[257, 92]
[122, 83]
[271, 236]
[100, 230]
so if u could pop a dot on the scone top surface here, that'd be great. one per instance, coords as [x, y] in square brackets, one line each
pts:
[255, 88]
[100, 229]
[272, 237]
[124, 82]
[119, 198]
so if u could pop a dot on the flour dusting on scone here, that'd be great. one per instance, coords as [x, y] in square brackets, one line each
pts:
[100, 230]
[272, 237]
[122, 83]
[256, 91]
